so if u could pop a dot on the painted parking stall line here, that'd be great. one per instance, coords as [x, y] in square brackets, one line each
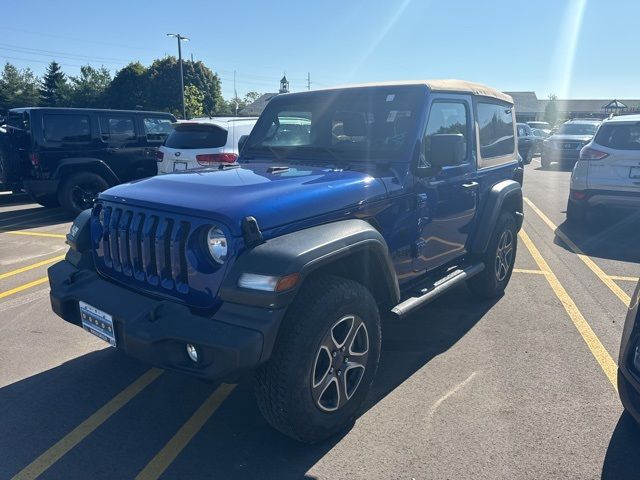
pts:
[181, 439]
[73, 438]
[606, 279]
[608, 365]
[31, 267]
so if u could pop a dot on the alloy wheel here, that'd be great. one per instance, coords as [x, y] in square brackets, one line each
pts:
[504, 256]
[340, 363]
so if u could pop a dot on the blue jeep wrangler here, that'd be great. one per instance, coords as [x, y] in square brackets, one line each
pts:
[346, 204]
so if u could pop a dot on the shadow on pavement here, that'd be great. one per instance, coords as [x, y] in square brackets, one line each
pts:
[622, 460]
[37, 216]
[235, 443]
[12, 199]
[615, 237]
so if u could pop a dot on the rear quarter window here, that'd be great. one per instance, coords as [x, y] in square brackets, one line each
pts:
[495, 133]
[66, 128]
[619, 136]
[197, 137]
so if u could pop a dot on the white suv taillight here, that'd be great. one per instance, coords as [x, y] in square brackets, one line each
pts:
[588, 153]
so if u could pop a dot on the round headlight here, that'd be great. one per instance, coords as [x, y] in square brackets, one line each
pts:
[217, 243]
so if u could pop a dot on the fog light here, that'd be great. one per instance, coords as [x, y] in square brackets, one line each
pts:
[192, 351]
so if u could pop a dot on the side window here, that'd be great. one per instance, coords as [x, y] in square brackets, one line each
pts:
[495, 126]
[117, 128]
[157, 128]
[66, 128]
[522, 132]
[445, 118]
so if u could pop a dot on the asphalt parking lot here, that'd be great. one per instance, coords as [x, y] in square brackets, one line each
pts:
[522, 387]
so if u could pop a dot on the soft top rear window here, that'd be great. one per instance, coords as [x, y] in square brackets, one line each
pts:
[197, 136]
[619, 136]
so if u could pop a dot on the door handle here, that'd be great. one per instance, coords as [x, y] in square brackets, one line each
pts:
[470, 185]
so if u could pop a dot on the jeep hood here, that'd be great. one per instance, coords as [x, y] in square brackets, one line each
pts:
[274, 199]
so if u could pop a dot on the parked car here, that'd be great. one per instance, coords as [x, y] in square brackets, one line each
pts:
[544, 126]
[67, 156]
[607, 174]
[564, 146]
[284, 262]
[201, 143]
[528, 143]
[629, 360]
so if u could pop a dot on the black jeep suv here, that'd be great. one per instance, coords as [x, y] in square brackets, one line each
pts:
[68, 155]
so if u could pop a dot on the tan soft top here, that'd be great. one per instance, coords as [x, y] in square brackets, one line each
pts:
[442, 85]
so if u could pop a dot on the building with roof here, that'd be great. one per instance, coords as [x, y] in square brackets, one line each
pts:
[529, 107]
[255, 108]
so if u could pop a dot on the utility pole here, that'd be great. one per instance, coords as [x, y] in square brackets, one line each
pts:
[186, 39]
[308, 80]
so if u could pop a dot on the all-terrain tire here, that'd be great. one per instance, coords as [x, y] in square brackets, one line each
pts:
[498, 266]
[545, 162]
[75, 192]
[283, 386]
[529, 156]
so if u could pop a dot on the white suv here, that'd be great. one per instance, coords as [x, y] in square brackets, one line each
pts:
[203, 142]
[607, 173]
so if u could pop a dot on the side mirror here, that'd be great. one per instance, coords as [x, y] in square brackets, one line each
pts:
[241, 143]
[447, 149]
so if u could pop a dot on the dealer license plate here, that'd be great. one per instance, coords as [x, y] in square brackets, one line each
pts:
[98, 323]
[635, 172]
[179, 166]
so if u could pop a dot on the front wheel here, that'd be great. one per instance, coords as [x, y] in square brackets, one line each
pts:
[529, 156]
[498, 259]
[324, 360]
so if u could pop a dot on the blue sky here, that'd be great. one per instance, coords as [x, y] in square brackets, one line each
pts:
[574, 48]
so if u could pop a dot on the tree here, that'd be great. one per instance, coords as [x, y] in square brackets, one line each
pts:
[193, 100]
[163, 85]
[18, 88]
[127, 89]
[88, 90]
[54, 91]
[551, 110]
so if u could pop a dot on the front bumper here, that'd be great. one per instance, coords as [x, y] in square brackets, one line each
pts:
[236, 338]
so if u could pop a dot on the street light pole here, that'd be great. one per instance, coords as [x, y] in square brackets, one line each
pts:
[186, 39]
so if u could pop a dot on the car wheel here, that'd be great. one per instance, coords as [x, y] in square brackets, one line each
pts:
[324, 360]
[545, 162]
[498, 259]
[529, 156]
[80, 191]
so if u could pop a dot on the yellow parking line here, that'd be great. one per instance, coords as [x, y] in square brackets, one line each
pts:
[40, 281]
[623, 279]
[70, 440]
[35, 234]
[606, 279]
[30, 267]
[172, 449]
[593, 342]
[525, 270]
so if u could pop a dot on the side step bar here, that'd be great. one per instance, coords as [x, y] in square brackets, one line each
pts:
[429, 294]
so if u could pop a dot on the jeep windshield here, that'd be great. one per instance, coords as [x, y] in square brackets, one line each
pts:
[352, 124]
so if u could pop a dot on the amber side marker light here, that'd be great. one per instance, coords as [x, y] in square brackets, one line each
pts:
[288, 282]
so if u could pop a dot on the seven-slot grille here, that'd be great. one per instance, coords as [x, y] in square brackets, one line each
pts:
[147, 247]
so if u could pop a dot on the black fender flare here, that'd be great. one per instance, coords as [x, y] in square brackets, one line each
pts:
[87, 164]
[506, 194]
[310, 250]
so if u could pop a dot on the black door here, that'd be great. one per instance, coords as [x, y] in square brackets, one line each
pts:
[123, 146]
